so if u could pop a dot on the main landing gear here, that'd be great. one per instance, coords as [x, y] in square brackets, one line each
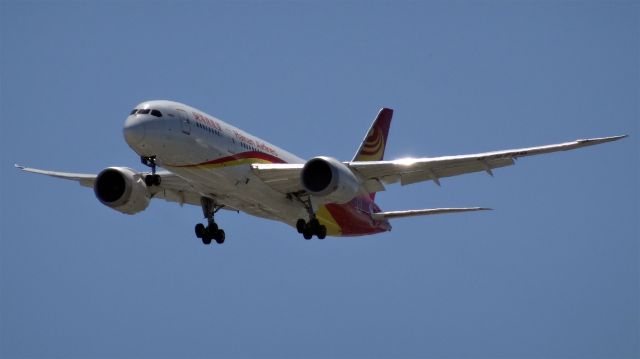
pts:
[153, 179]
[313, 227]
[211, 231]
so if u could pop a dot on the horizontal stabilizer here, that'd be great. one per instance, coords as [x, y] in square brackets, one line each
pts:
[424, 212]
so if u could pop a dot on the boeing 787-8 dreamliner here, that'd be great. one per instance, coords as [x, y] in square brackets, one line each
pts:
[211, 164]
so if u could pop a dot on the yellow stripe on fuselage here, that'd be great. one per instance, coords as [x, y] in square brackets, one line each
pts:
[326, 219]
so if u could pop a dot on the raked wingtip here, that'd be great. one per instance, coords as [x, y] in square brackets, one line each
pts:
[599, 140]
[615, 138]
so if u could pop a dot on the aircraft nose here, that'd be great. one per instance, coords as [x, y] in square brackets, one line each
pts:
[133, 130]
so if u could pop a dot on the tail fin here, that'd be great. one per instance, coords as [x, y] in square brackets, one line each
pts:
[374, 143]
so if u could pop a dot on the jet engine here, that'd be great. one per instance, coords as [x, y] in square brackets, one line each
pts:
[122, 189]
[330, 179]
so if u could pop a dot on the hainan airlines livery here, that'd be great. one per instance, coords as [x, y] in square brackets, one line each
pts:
[212, 164]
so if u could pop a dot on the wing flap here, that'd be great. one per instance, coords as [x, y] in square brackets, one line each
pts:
[435, 172]
[284, 178]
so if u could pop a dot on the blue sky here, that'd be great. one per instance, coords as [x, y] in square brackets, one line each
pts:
[553, 272]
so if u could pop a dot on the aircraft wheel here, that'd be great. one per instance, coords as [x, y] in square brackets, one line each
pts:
[220, 236]
[300, 225]
[307, 234]
[322, 232]
[314, 225]
[206, 239]
[152, 180]
[200, 230]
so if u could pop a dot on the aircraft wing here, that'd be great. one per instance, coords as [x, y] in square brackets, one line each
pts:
[286, 177]
[409, 170]
[84, 179]
[282, 177]
[173, 188]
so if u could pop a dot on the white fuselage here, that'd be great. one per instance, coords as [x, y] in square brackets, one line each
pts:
[213, 156]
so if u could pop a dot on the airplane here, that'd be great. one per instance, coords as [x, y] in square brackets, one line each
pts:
[214, 165]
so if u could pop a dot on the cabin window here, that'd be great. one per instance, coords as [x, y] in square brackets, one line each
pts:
[133, 112]
[144, 111]
[156, 113]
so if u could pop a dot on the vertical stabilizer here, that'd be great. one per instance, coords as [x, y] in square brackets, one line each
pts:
[374, 143]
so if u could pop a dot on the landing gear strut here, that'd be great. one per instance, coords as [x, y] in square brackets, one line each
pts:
[153, 179]
[313, 227]
[211, 231]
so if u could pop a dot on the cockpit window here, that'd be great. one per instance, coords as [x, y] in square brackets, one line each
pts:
[146, 111]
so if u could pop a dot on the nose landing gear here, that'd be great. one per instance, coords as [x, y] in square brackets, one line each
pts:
[153, 179]
[211, 231]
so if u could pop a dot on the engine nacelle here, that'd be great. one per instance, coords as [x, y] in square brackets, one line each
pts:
[330, 179]
[122, 189]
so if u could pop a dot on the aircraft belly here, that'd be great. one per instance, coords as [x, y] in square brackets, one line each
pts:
[238, 188]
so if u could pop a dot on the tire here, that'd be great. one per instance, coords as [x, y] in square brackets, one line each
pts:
[200, 230]
[314, 224]
[213, 228]
[307, 234]
[148, 180]
[157, 180]
[322, 232]
[220, 236]
[206, 240]
[300, 225]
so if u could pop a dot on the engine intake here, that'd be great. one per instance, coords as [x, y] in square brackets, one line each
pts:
[122, 189]
[330, 179]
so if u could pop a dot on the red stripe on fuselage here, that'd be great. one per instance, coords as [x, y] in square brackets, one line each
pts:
[354, 217]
